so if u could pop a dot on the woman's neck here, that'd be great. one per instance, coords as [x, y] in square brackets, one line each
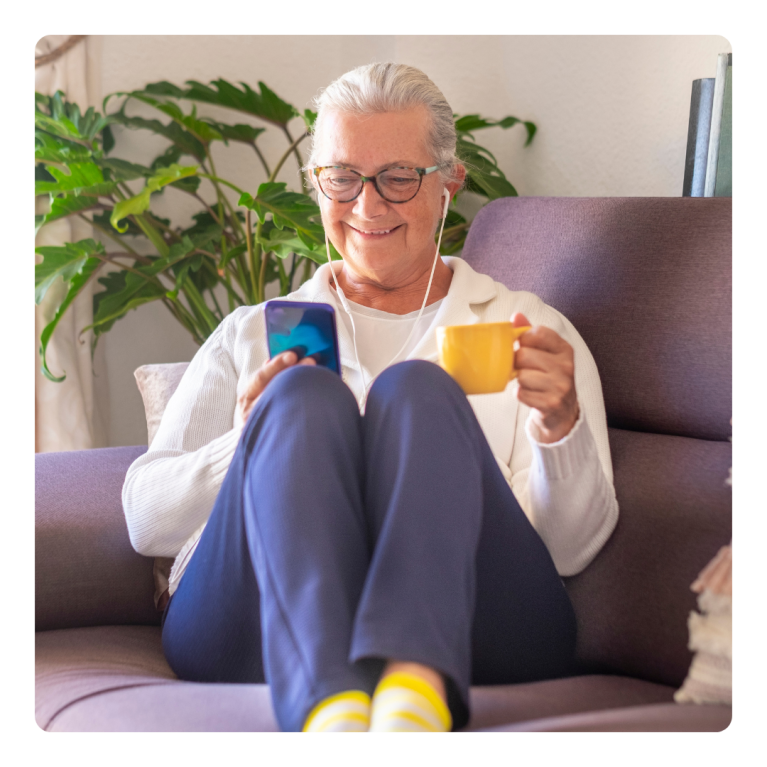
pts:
[402, 299]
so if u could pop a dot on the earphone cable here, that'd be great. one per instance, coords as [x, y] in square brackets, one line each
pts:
[347, 309]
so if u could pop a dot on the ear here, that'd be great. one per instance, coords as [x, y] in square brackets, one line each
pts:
[459, 175]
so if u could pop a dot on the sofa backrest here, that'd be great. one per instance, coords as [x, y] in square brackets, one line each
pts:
[647, 283]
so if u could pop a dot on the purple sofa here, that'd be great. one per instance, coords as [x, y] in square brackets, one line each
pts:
[647, 282]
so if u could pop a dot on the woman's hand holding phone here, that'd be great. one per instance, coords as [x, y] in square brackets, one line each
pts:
[259, 382]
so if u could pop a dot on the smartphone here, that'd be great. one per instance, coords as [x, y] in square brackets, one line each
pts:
[306, 328]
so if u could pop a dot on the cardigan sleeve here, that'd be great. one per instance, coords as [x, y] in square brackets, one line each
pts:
[566, 488]
[170, 490]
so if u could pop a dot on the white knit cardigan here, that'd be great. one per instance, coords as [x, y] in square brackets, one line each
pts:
[564, 488]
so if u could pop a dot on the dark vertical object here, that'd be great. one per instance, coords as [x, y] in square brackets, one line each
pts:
[723, 187]
[701, 104]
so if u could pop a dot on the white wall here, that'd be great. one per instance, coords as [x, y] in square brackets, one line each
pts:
[611, 113]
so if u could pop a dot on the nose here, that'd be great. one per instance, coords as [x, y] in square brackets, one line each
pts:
[369, 204]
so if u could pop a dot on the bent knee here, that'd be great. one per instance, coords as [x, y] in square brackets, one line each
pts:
[310, 387]
[415, 378]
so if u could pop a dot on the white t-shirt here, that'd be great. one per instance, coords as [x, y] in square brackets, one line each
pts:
[380, 335]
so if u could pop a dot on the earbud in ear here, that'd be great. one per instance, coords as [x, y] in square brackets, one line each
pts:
[447, 202]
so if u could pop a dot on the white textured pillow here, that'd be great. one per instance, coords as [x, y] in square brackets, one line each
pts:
[157, 384]
[709, 679]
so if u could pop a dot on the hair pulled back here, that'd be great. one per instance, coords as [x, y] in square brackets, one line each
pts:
[389, 87]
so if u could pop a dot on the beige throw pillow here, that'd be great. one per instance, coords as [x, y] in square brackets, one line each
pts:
[157, 384]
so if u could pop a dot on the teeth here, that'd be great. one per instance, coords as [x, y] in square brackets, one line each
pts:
[382, 231]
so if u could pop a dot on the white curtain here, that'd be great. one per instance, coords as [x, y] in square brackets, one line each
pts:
[67, 414]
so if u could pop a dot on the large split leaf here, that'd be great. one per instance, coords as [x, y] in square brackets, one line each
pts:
[75, 264]
[203, 131]
[122, 170]
[454, 234]
[50, 149]
[140, 202]
[61, 118]
[285, 242]
[122, 292]
[61, 261]
[79, 280]
[81, 176]
[182, 138]
[61, 207]
[288, 209]
[127, 290]
[267, 104]
[470, 123]
[484, 175]
[246, 134]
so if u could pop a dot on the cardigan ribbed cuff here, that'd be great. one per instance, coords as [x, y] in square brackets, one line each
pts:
[562, 459]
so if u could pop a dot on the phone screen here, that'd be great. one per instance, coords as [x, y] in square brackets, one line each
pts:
[308, 329]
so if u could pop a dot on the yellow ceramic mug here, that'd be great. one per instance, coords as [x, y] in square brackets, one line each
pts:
[479, 357]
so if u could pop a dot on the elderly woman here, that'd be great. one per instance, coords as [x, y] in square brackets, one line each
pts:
[372, 550]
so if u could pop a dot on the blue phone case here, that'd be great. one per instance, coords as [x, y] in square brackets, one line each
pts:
[307, 328]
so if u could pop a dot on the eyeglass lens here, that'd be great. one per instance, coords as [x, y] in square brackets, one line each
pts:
[394, 185]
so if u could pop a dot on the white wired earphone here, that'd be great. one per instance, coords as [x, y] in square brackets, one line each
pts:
[347, 309]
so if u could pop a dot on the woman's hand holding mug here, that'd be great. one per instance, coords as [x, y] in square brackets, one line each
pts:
[546, 376]
[258, 383]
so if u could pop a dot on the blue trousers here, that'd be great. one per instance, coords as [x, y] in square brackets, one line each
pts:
[339, 541]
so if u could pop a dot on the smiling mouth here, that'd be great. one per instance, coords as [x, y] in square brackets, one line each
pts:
[375, 233]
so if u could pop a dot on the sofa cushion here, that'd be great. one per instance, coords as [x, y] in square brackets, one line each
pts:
[86, 571]
[633, 600]
[646, 281]
[658, 717]
[77, 664]
[115, 678]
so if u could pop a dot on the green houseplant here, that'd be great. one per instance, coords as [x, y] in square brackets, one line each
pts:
[232, 252]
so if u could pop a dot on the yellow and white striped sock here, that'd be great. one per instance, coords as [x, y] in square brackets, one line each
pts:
[344, 712]
[406, 703]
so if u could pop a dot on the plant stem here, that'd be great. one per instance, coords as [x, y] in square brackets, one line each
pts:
[232, 239]
[284, 280]
[163, 226]
[262, 278]
[292, 148]
[293, 265]
[251, 257]
[187, 321]
[307, 270]
[197, 302]
[215, 302]
[235, 222]
[219, 196]
[112, 237]
[126, 189]
[154, 236]
[154, 280]
[232, 293]
[263, 160]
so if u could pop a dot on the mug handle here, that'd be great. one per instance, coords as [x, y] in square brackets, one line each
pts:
[517, 332]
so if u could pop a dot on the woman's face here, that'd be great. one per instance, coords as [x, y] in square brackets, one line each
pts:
[386, 243]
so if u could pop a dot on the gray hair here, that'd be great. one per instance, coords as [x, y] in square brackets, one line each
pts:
[389, 87]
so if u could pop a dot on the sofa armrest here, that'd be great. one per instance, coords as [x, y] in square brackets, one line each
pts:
[86, 572]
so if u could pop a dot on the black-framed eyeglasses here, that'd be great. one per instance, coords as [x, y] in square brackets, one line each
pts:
[395, 185]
